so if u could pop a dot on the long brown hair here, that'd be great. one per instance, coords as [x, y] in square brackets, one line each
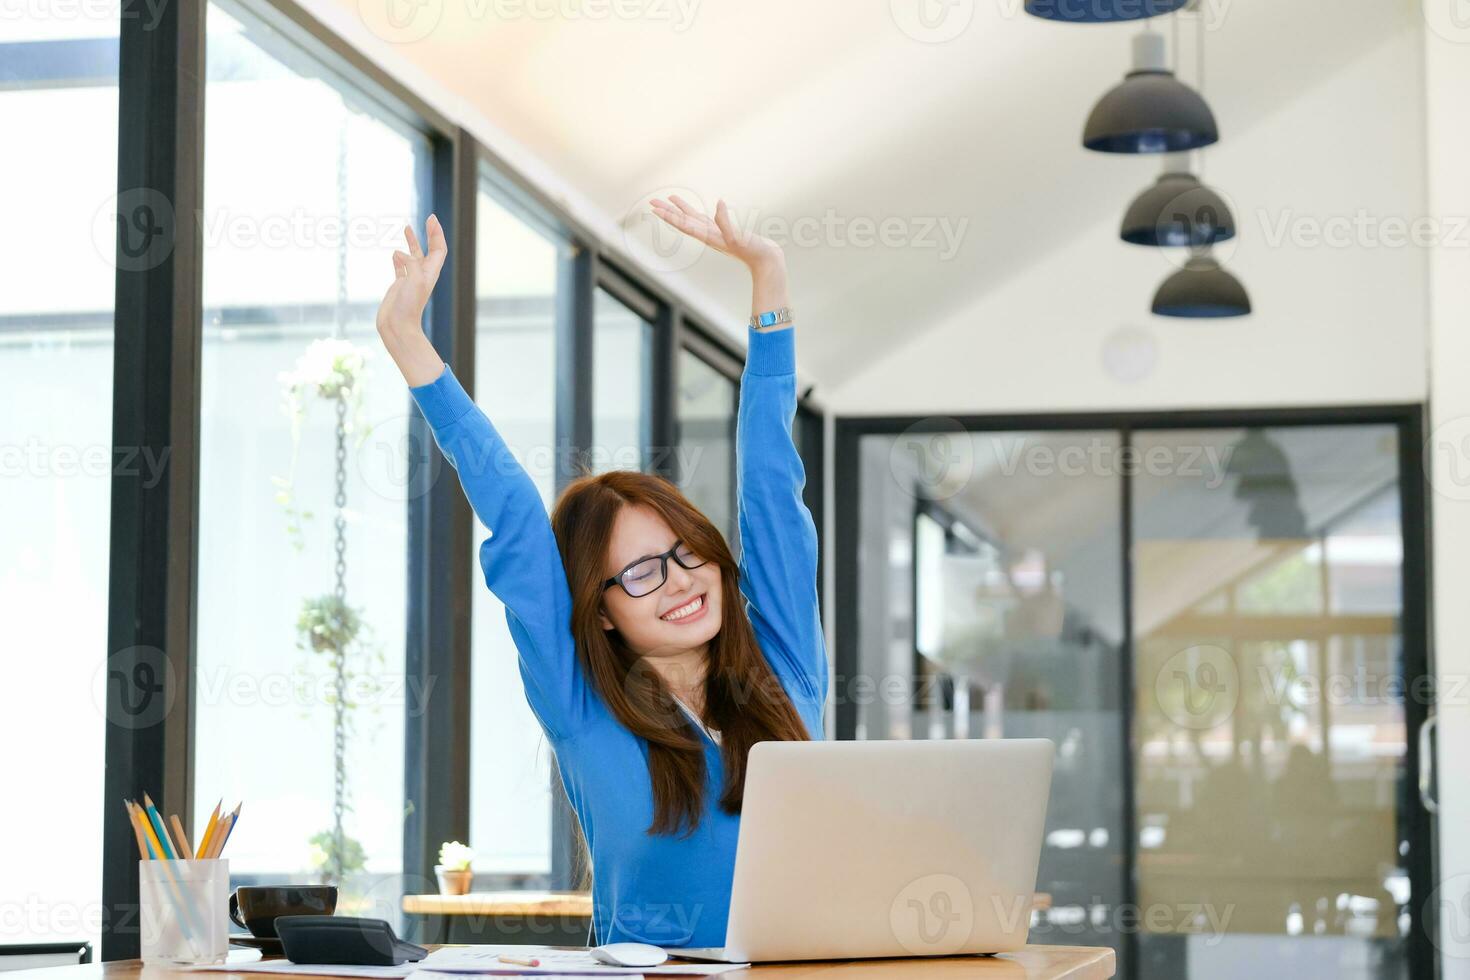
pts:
[744, 701]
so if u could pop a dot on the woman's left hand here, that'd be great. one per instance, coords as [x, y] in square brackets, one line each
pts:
[758, 253]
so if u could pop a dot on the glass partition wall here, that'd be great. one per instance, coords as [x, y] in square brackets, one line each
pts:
[1270, 722]
[992, 607]
[1211, 623]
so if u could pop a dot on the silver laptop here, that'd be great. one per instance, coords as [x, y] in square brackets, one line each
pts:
[860, 849]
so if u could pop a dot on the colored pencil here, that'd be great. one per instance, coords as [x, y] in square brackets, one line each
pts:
[158, 827]
[137, 830]
[208, 837]
[222, 833]
[180, 838]
[519, 960]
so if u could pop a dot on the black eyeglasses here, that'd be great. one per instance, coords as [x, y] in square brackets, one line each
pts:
[647, 575]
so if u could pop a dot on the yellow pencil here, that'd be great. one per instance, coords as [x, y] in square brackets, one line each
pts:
[208, 837]
[217, 838]
[177, 827]
[149, 834]
[137, 830]
[222, 832]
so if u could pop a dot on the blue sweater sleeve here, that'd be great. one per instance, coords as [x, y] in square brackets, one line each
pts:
[520, 559]
[778, 561]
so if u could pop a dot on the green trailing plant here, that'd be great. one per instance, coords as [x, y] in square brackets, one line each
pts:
[331, 369]
[331, 863]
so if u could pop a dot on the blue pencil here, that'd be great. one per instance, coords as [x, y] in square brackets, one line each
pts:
[158, 828]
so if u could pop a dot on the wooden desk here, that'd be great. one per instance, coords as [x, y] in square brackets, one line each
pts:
[577, 904]
[1032, 963]
[551, 918]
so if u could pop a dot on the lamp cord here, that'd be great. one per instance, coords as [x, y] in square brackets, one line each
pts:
[1199, 57]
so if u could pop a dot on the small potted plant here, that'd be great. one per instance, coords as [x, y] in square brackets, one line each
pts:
[453, 869]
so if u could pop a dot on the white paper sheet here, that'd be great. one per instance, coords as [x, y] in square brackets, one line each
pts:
[483, 959]
[286, 966]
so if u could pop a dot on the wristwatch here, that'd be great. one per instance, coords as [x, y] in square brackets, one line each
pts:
[772, 318]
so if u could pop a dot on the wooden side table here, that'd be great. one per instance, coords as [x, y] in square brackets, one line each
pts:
[547, 918]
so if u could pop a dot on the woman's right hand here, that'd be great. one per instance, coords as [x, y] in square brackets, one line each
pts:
[401, 314]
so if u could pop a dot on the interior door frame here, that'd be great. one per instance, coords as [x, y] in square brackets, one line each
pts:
[1415, 824]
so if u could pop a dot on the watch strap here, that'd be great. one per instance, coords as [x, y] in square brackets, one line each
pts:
[771, 318]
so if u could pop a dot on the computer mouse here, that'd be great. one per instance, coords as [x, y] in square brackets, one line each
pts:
[628, 954]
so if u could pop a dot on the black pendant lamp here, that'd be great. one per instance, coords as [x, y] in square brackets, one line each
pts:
[1201, 289]
[1150, 111]
[1177, 211]
[1100, 11]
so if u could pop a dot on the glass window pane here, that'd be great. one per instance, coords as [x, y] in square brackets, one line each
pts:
[1270, 719]
[991, 606]
[706, 428]
[622, 367]
[56, 349]
[515, 383]
[302, 583]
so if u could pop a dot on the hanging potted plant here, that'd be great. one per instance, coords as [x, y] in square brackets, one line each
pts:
[331, 369]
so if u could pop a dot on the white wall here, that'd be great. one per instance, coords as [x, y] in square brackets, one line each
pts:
[1447, 64]
[1331, 324]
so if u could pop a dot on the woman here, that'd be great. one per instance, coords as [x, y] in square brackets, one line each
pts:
[650, 673]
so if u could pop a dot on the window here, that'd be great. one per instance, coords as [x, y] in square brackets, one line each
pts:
[622, 366]
[302, 577]
[706, 428]
[515, 383]
[56, 349]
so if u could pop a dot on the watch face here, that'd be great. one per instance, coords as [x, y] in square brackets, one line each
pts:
[771, 319]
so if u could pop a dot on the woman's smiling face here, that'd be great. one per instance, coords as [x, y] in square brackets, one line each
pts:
[682, 614]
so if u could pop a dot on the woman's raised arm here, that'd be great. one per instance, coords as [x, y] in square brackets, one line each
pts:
[520, 559]
[778, 556]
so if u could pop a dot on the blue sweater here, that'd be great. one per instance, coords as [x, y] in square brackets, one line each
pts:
[656, 889]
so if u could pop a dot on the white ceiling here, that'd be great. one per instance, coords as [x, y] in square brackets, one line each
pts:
[828, 110]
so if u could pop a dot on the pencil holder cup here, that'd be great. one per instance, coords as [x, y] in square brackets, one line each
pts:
[184, 914]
